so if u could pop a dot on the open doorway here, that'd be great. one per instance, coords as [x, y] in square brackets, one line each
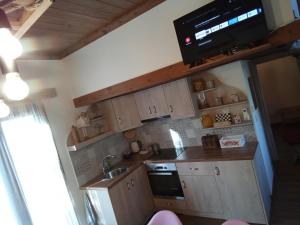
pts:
[278, 81]
[280, 86]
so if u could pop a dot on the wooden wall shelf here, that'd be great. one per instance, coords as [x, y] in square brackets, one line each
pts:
[90, 141]
[223, 106]
[206, 90]
[230, 126]
[282, 36]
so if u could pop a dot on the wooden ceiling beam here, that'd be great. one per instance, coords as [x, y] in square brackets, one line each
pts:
[28, 18]
[102, 30]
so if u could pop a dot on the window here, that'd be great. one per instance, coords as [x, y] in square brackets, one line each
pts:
[33, 152]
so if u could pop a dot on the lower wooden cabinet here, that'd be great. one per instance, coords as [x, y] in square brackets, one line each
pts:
[202, 195]
[129, 202]
[240, 192]
[170, 204]
[223, 189]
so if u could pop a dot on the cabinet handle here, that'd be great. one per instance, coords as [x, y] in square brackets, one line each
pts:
[217, 171]
[132, 182]
[128, 186]
[150, 111]
[154, 109]
[183, 184]
[194, 168]
[171, 108]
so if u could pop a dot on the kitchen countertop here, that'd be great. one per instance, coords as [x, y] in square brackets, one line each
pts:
[191, 154]
[133, 163]
[198, 154]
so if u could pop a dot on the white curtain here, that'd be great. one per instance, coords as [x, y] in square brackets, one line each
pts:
[31, 177]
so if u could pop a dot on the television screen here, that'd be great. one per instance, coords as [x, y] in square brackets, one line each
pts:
[219, 27]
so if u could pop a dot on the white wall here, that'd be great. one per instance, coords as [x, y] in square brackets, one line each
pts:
[143, 45]
[59, 110]
[280, 81]
[278, 12]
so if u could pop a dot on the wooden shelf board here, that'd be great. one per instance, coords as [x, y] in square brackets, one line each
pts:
[223, 106]
[98, 118]
[89, 141]
[230, 126]
[206, 90]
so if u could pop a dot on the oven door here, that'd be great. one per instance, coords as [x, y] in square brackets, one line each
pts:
[165, 183]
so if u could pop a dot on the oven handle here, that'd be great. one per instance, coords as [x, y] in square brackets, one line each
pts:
[161, 174]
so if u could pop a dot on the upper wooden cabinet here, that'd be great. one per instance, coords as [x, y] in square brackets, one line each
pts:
[151, 103]
[126, 112]
[179, 100]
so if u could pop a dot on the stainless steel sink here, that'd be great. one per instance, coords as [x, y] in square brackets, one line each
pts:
[114, 173]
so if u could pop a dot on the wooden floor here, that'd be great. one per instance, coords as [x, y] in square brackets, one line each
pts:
[192, 220]
[286, 194]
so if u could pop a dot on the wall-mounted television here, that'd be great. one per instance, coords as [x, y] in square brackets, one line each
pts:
[219, 27]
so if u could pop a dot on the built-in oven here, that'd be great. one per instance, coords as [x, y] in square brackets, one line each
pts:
[164, 180]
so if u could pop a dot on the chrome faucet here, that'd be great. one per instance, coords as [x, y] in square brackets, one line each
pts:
[106, 167]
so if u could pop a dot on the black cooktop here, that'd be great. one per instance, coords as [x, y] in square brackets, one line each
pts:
[167, 154]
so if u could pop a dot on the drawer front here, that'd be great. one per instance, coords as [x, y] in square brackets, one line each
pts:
[194, 168]
[169, 203]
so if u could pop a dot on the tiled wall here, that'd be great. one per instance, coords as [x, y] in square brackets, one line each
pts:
[87, 162]
[189, 130]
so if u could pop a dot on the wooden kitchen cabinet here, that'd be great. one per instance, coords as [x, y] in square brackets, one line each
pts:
[200, 189]
[151, 103]
[129, 202]
[179, 99]
[240, 193]
[126, 112]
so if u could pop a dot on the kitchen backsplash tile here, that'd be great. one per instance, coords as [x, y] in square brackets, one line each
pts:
[87, 162]
[189, 130]
[186, 132]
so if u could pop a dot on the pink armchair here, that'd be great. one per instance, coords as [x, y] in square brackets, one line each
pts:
[234, 222]
[165, 217]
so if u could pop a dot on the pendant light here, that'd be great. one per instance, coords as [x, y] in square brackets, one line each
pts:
[10, 48]
[14, 87]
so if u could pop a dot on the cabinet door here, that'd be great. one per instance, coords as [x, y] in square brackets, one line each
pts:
[120, 198]
[141, 196]
[126, 112]
[179, 99]
[240, 194]
[202, 195]
[158, 100]
[132, 199]
[151, 103]
[144, 104]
